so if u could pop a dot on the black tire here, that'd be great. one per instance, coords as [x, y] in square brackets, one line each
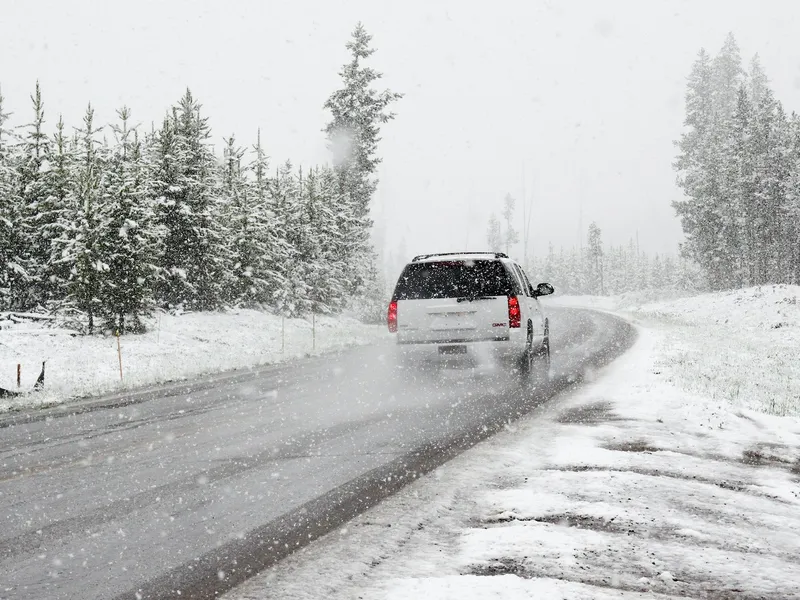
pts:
[543, 355]
[526, 361]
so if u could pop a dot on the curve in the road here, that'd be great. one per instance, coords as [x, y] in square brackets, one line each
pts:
[344, 446]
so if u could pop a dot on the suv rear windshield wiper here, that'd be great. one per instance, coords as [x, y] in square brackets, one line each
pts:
[473, 298]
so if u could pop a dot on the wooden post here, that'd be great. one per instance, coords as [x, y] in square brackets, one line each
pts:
[119, 354]
[19, 375]
[313, 331]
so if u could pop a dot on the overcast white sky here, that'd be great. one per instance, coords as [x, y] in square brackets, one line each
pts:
[584, 97]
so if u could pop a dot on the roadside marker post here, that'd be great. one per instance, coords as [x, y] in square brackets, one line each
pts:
[119, 354]
[313, 332]
[19, 375]
[283, 335]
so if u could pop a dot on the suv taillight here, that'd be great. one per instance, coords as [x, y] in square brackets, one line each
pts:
[514, 315]
[391, 318]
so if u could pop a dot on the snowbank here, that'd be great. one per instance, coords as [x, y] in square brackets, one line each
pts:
[741, 346]
[175, 347]
[633, 487]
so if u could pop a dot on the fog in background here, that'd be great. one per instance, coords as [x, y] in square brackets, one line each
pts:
[579, 100]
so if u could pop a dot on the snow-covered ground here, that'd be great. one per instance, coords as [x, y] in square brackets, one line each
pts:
[175, 347]
[634, 487]
[742, 346]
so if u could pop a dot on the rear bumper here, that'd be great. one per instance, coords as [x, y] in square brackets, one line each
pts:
[509, 346]
[448, 341]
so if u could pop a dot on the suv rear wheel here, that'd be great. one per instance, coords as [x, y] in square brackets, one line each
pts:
[543, 356]
[534, 364]
[526, 361]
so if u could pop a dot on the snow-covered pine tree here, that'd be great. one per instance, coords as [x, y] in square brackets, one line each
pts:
[37, 219]
[193, 262]
[782, 168]
[316, 220]
[792, 206]
[774, 170]
[657, 273]
[333, 243]
[252, 244]
[511, 236]
[737, 216]
[62, 188]
[549, 268]
[79, 246]
[757, 81]
[722, 222]
[292, 297]
[494, 235]
[203, 246]
[241, 242]
[700, 157]
[358, 111]
[668, 272]
[573, 272]
[727, 77]
[273, 247]
[165, 170]
[12, 273]
[595, 261]
[128, 241]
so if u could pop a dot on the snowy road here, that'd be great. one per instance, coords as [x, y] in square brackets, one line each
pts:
[197, 490]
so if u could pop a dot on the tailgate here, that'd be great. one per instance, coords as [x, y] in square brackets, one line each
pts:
[450, 320]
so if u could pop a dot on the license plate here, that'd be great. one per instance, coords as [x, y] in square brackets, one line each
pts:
[452, 349]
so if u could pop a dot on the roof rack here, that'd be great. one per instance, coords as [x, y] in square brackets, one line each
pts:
[424, 256]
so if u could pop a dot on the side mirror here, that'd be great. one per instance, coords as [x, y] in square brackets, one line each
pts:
[543, 289]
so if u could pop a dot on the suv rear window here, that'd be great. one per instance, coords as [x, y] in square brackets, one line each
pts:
[453, 279]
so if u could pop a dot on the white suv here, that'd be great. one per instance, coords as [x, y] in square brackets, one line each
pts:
[468, 303]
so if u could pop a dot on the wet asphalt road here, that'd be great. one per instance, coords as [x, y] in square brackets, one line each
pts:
[196, 488]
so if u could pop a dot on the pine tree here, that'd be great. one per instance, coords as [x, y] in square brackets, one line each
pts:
[791, 209]
[168, 196]
[657, 273]
[706, 216]
[80, 246]
[738, 221]
[61, 183]
[550, 267]
[12, 272]
[696, 162]
[37, 218]
[595, 260]
[511, 236]
[193, 262]
[273, 247]
[204, 261]
[333, 242]
[252, 242]
[128, 241]
[758, 81]
[358, 111]
[292, 297]
[494, 235]
[727, 77]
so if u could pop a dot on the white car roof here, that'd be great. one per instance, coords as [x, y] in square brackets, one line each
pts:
[460, 256]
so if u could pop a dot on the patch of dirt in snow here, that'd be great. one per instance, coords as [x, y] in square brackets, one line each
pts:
[632, 446]
[588, 414]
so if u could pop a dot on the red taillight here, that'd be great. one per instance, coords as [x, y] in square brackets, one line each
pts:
[391, 318]
[514, 315]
